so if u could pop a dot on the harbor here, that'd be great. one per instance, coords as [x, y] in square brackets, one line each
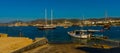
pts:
[42, 46]
[60, 43]
[59, 26]
[60, 34]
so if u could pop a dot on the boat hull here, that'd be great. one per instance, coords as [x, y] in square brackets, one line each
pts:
[46, 28]
[79, 40]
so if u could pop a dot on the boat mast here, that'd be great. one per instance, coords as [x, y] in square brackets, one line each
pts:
[83, 20]
[51, 16]
[45, 16]
[106, 16]
[20, 33]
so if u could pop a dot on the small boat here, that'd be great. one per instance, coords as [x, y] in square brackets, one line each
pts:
[65, 26]
[75, 25]
[83, 36]
[107, 26]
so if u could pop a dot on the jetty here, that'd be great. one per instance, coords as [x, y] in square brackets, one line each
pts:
[20, 44]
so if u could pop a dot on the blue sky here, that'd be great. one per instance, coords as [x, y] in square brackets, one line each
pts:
[27, 10]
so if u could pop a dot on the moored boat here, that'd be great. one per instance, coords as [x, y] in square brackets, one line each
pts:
[82, 36]
[106, 22]
[106, 26]
[46, 26]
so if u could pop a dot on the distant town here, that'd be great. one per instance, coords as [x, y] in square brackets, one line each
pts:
[67, 22]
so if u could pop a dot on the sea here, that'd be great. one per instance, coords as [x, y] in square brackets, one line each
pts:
[58, 35]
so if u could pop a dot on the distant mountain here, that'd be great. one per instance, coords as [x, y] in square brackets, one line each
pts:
[55, 21]
[101, 19]
[15, 21]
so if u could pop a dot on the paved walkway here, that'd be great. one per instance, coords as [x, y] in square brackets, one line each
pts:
[56, 48]
[9, 44]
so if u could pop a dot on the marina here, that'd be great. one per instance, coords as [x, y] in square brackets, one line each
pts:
[59, 34]
[58, 39]
[59, 26]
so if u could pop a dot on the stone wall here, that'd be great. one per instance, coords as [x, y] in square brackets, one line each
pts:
[38, 42]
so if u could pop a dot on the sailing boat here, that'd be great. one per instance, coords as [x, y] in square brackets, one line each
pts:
[47, 26]
[106, 22]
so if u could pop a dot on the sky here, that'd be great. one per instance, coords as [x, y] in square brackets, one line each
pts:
[28, 10]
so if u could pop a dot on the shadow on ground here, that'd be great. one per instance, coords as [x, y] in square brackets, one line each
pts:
[98, 50]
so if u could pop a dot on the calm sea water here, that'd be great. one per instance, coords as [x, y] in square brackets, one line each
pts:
[58, 35]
